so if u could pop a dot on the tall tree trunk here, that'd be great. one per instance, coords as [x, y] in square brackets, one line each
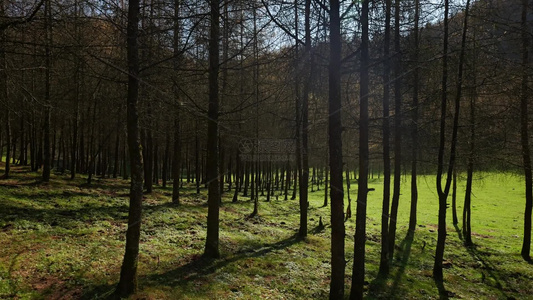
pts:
[524, 122]
[358, 275]
[176, 161]
[5, 95]
[443, 193]
[414, 132]
[213, 197]
[335, 156]
[304, 178]
[47, 102]
[128, 273]
[384, 258]
[397, 131]
[467, 228]
[164, 175]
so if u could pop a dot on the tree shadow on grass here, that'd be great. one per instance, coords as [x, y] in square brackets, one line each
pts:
[380, 287]
[486, 264]
[443, 293]
[403, 259]
[198, 268]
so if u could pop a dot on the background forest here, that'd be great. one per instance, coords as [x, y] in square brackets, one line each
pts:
[406, 107]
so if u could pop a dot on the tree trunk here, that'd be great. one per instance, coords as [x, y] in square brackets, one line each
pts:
[47, 102]
[443, 193]
[397, 132]
[5, 95]
[358, 275]
[128, 273]
[384, 258]
[526, 156]
[414, 133]
[335, 159]
[454, 197]
[213, 197]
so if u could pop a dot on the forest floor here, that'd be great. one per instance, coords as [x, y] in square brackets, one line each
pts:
[65, 240]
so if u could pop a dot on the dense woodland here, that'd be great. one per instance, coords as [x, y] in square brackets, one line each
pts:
[165, 93]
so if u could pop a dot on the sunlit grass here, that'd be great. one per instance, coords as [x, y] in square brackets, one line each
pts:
[66, 239]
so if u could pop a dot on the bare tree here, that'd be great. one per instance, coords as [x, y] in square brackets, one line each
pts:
[335, 155]
[358, 274]
[213, 198]
[127, 284]
[524, 134]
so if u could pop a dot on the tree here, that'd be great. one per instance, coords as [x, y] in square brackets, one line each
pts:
[524, 135]
[176, 159]
[127, 284]
[5, 95]
[384, 260]
[443, 193]
[414, 129]
[397, 131]
[335, 155]
[47, 101]
[213, 197]
[358, 274]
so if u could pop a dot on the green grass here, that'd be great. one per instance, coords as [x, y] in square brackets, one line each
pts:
[66, 239]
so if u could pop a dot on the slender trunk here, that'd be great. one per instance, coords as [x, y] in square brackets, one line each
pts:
[213, 196]
[397, 132]
[358, 275]
[164, 175]
[5, 95]
[384, 258]
[467, 228]
[326, 182]
[116, 160]
[414, 132]
[128, 273]
[443, 193]
[349, 208]
[526, 156]
[47, 102]
[454, 197]
[197, 160]
[338, 262]
[176, 160]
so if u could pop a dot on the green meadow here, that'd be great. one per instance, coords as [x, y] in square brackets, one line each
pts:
[65, 240]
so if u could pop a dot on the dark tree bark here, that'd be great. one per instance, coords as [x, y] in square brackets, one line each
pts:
[47, 102]
[349, 208]
[128, 274]
[213, 197]
[397, 132]
[304, 176]
[414, 129]
[454, 197]
[524, 133]
[166, 158]
[5, 95]
[335, 156]
[176, 154]
[116, 164]
[443, 193]
[197, 159]
[358, 274]
[467, 227]
[176, 160]
[326, 182]
[384, 258]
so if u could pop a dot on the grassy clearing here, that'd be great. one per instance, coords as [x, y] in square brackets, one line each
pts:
[65, 240]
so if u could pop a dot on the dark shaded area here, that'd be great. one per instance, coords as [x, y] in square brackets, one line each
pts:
[198, 268]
